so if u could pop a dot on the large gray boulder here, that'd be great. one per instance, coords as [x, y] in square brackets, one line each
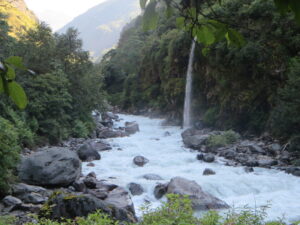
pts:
[121, 199]
[71, 206]
[195, 141]
[51, 167]
[200, 199]
[131, 127]
[87, 152]
[135, 189]
[110, 133]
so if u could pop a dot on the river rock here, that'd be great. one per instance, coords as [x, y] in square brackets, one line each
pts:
[200, 199]
[152, 176]
[195, 141]
[267, 162]
[23, 189]
[248, 169]
[101, 146]
[110, 133]
[121, 199]
[131, 127]
[135, 189]
[160, 190]
[294, 170]
[71, 206]
[11, 202]
[140, 161]
[90, 182]
[209, 158]
[208, 172]
[229, 154]
[256, 149]
[109, 116]
[33, 198]
[79, 185]
[87, 152]
[52, 167]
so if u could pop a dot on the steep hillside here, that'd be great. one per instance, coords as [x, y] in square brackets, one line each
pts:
[100, 27]
[19, 16]
[251, 89]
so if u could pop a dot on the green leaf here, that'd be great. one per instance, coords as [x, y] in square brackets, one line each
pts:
[10, 74]
[180, 22]
[235, 38]
[220, 29]
[16, 61]
[1, 85]
[17, 94]
[150, 18]
[143, 3]
[205, 35]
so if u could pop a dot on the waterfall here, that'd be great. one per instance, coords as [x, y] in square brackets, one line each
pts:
[188, 90]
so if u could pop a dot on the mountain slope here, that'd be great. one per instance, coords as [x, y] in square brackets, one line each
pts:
[19, 16]
[100, 27]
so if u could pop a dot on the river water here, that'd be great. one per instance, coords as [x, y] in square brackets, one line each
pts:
[169, 158]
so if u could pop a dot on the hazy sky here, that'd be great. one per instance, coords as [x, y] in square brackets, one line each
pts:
[59, 12]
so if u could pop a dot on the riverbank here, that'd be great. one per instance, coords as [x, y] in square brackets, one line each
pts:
[136, 182]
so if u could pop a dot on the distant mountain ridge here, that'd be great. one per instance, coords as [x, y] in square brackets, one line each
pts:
[100, 27]
[20, 18]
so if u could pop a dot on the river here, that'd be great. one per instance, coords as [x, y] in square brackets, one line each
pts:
[169, 158]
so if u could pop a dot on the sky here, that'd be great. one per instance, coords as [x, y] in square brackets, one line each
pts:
[57, 13]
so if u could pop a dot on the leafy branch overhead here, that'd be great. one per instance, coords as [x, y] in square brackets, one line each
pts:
[8, 85]
[205, 30]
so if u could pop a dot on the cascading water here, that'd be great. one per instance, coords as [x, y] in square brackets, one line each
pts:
[188, 90]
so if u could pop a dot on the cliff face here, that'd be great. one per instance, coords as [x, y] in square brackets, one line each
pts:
[100, 27]
[19, 17]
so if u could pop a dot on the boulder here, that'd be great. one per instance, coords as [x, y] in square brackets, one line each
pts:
[267, 162]
[101, 146]
[135, 189]
[33, 198]
[87, 152]
[140, 161]
[71, 206]
[200, 199]
[160, 190]
[248, 169]
[200, 156]
[22, 189]
[51, 167]
[79, 185]
[208, 172]
[11, 203]
[109, 116]
[91, 164]
[131, 127]
[209, 158]
[110, 133]
[256, 149]
[229, 154]
[121, 199]
[195, 141]
[294, 170]
[152, 176]
[90, 182]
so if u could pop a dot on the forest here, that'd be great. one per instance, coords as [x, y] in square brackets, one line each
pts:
[63, 88]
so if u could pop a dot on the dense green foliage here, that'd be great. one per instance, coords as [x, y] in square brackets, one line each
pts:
[252, 88]
[178, 211]
[63, 87]
[224, 139]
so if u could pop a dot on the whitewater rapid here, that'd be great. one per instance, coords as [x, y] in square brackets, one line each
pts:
[169, 158]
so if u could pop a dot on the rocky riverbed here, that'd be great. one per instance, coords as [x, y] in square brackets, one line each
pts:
[133, 160]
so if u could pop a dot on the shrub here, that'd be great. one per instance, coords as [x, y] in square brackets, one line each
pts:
[7, 220]
[221, 140]
[178, 210]
[9, 152]
[80, 130]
